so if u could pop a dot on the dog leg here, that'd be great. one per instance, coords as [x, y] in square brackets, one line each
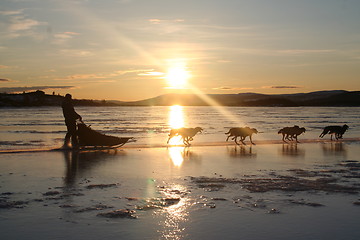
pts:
[186, 141]
[242, 140]
[323, 133]
[235, 138]
[288, 137]
[251, 141]
[291, 137]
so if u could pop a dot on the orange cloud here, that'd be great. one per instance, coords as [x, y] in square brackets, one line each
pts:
[224, 88]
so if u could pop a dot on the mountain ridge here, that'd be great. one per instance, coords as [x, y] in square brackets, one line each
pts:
[317, 98]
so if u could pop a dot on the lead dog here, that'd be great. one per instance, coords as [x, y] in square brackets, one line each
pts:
[338, 131]
[291, 132]
[186, 134]
[241, 132]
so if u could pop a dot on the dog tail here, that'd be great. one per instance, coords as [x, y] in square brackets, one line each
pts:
[227, 132]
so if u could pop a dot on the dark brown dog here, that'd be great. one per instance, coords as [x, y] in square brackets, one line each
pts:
[291, 133]
[338, 131]
[241, 132]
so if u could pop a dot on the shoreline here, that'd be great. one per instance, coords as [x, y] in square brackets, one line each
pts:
[195, 144]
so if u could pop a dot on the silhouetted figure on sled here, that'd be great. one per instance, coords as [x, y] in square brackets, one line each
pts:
[81, 135]
[70, 120]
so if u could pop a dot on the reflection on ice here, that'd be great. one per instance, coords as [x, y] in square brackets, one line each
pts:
[337, 148]
[77, 164]
[241, 151]
[292, 150]
[175, 215]
[176, 155]
[176, 120]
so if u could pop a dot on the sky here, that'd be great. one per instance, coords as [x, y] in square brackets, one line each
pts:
[136, 49]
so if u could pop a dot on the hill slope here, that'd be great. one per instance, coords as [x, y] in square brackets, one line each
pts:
[320, 98]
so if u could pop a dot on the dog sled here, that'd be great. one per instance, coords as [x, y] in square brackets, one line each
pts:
[89, 138]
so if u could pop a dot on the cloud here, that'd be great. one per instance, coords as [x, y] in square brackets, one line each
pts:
[63, 37]
[306, 51]
[4, 80]
[267, 51]
[223, 61]
[158, 21]
[154, 21]
[22, 89]
[21, 23]
[282, 87]
[137, 71]
[224, 88]
[110, 76]
[18, 24]
[83, 76]
[7, 13]
[151, 74]
[76, 53]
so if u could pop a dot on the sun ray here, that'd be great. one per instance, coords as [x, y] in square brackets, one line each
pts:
[176, 66]
[236, 120]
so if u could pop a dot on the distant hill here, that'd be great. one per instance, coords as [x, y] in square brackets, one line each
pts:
[319, 98]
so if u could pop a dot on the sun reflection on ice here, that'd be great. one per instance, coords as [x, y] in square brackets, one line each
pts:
[176, 214]
[176, 120]
[176, 155]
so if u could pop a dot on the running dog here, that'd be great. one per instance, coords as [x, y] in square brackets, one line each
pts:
[241, 132]
[186, 134]
[291, 133]
[338, 131]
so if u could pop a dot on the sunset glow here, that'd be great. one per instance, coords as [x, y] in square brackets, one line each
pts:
[133, 54]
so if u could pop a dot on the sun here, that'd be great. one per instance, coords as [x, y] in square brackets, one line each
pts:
[177, 77]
